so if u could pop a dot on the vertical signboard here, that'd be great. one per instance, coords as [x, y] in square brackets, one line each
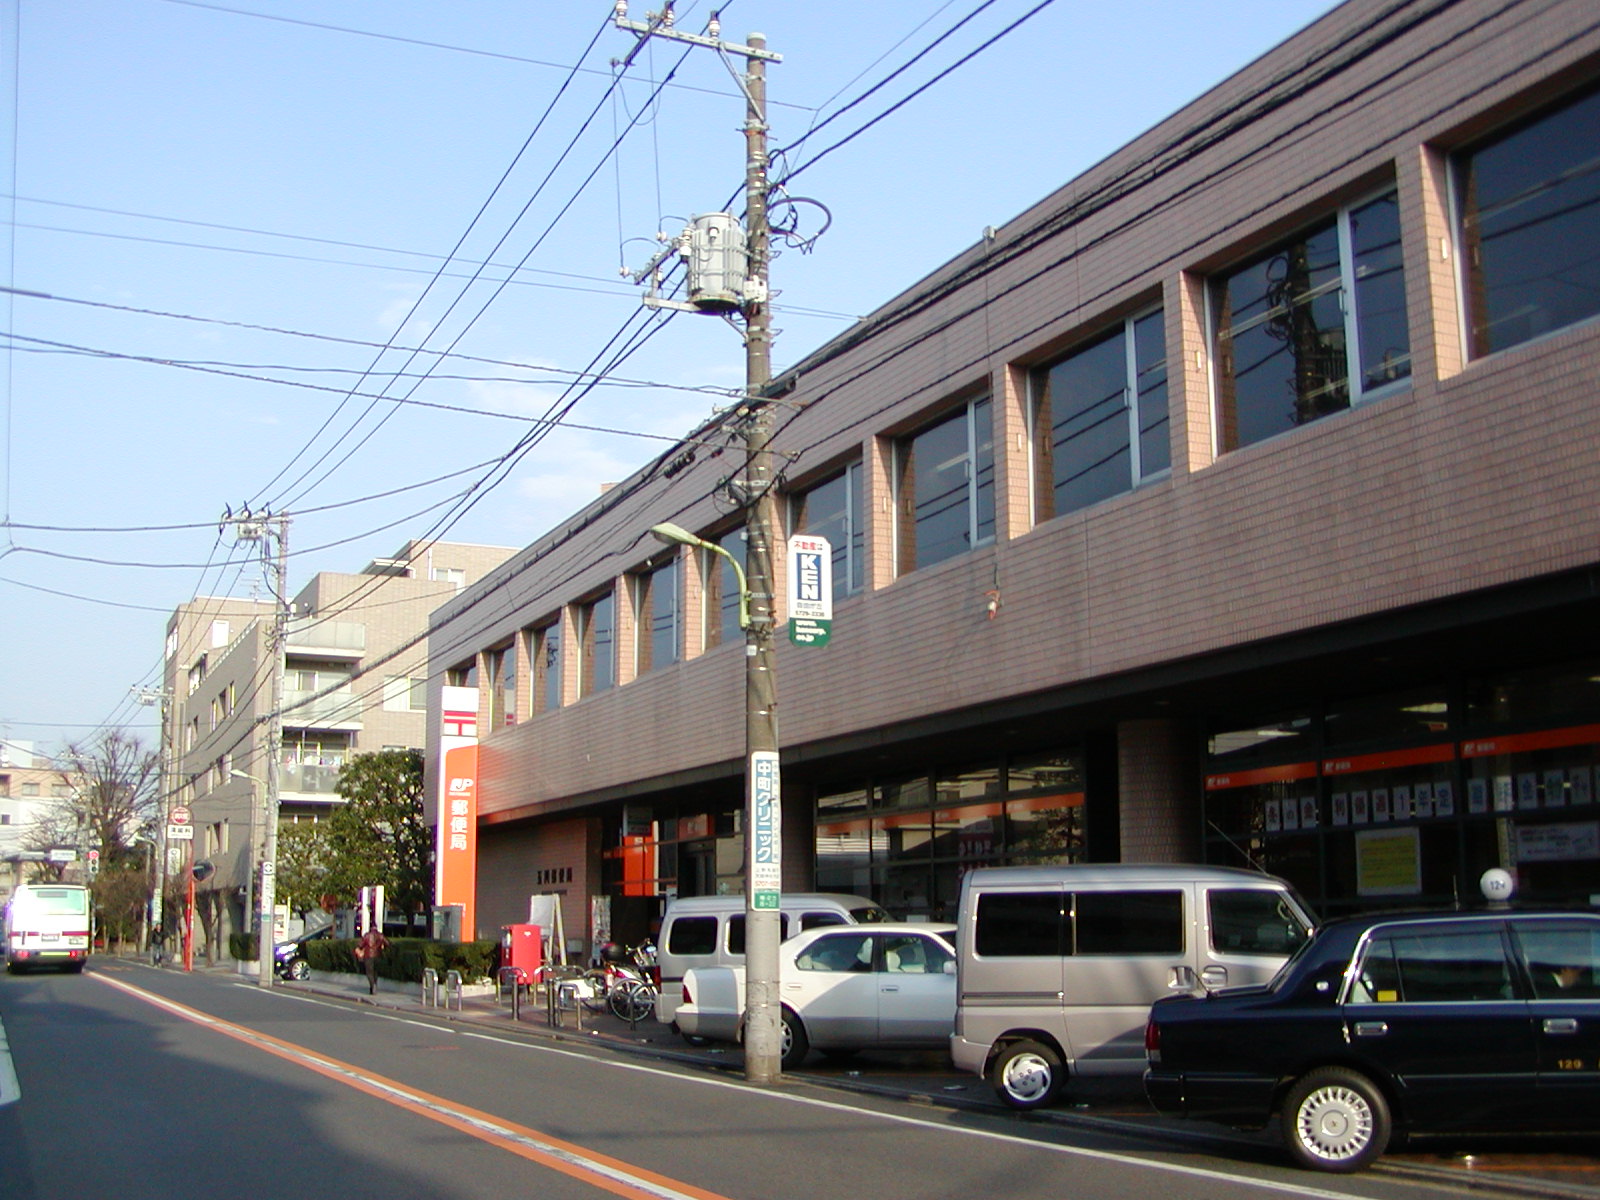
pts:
[457, 838]
[766, 833]
[810, 590]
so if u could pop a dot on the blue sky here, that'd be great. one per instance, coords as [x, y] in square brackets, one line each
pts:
[235, 207]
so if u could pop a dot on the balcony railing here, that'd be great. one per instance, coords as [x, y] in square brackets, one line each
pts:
[341, 710]
[338, 639]
[308, 778]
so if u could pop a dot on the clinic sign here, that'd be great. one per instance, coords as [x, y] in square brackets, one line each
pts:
[456, 872]
[810, 590]
[766, 847]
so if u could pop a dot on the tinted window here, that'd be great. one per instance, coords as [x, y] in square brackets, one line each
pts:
[692, 935]
[816, 920]
[1563, 959]
[837, 952]
[1019, 925]
[1129, 922]
[1253, 921]
[1434, 966]
[736, 931]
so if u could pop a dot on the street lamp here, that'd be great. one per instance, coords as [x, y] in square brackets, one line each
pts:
[677, 535]
[264, 894]
[762, 801]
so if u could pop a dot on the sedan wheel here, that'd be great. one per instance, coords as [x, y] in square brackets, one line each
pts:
[1027, 1075]
[794, 1042]
[1335, 1120]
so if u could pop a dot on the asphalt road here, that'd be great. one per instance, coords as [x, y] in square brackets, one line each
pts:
[136, 1083]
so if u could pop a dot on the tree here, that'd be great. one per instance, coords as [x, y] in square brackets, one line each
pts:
[378, 835]
[110, 800]
[302, 866]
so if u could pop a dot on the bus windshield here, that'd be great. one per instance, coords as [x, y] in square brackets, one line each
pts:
[53, 902]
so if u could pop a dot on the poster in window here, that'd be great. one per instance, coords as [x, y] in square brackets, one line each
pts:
[1291, 813]
[1341, 808]
[1503, 796]
[1308, 812]
[1574, 841]
[1527, 790]
[1444, 799]
[1422, 801]
[1402, 803]
[1274, 816]
[1555, 788]
[1380, 805]
[1389, 862]
[1582, 781]
[1359, 812]
[1477, 795]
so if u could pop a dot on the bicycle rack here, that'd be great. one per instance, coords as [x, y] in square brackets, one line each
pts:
[430, 988]
[452, 986]
[561, 984]
[518, 979]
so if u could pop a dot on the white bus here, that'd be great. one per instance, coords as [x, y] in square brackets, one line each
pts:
[47, 924]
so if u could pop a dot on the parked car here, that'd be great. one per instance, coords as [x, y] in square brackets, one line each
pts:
[844, 988]
[708, 931]
[1059, 964]
[1463, 1022]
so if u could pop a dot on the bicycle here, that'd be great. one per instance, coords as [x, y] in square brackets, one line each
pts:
[623, 986]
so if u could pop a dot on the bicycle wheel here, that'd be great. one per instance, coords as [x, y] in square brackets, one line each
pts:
[633, 1000]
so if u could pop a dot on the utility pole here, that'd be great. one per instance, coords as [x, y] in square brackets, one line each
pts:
[763, 1043]
[160, 697]
[258, 528]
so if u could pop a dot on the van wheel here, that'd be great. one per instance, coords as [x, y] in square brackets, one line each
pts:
[793, 1040]
[1027, 1075]
[1335, 1120]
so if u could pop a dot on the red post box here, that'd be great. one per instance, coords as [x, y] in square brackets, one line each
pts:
[521, 946]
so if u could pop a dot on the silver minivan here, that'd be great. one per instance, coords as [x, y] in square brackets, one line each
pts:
[708, 931]
[1058, 966]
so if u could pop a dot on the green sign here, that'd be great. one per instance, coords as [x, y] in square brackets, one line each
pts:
[803, 631]
[767, 899]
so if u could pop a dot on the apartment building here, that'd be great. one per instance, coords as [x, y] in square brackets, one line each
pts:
[1235, 504]
[355, 672]
[32, 789]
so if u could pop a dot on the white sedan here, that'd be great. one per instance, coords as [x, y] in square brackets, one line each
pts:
[844, 988]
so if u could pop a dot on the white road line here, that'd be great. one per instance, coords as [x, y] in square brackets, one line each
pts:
[10, 1089]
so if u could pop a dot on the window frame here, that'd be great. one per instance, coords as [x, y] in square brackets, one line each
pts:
[1344, 288]
[849, 552]
[646, 635]
[979, 514]
[589, 681]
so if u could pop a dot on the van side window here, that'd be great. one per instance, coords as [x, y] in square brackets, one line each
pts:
[816, 920]
[1253, 921]
[1129, 923]
[693, 935]
[1019, 925]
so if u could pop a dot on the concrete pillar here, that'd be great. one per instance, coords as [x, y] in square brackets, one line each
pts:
[1159, 783]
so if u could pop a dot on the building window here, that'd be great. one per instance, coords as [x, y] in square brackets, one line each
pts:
[1100, 417]
[545, 654]
[502, 665]
[658, 599]
[944, 487]
[403, 693]
[722, 588]
[597, 635]
[463, 675]
[455, 576]
[1526, 200]
[1312, 328]
[832, 510]
[30, 789]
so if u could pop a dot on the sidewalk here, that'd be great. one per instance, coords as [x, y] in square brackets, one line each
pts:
[1560, 1171]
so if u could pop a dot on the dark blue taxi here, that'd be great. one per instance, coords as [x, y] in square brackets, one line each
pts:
[1435, 1022]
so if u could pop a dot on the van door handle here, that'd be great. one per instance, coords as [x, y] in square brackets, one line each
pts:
[1214, 977]
[1371, 1028]
[890, 987]
[1561, 1025]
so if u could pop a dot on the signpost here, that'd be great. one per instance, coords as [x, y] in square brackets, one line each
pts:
[810, 590]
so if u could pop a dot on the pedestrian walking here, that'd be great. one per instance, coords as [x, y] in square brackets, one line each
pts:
[368, 949]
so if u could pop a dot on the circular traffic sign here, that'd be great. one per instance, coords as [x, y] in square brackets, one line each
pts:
[178, 816]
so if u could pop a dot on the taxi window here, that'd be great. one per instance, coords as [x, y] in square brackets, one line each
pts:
[1434, 966]
[1563, 959]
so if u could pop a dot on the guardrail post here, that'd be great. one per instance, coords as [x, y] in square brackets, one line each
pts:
[452, 984]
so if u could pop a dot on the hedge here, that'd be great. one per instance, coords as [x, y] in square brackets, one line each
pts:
[404, 960]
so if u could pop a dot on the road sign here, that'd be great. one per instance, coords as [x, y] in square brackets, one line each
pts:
[178, 816]
[180, 833]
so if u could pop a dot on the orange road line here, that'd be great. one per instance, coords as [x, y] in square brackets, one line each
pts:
[611, 1174]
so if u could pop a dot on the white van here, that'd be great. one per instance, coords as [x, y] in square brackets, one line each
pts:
[1058, 966]
[708, 931]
